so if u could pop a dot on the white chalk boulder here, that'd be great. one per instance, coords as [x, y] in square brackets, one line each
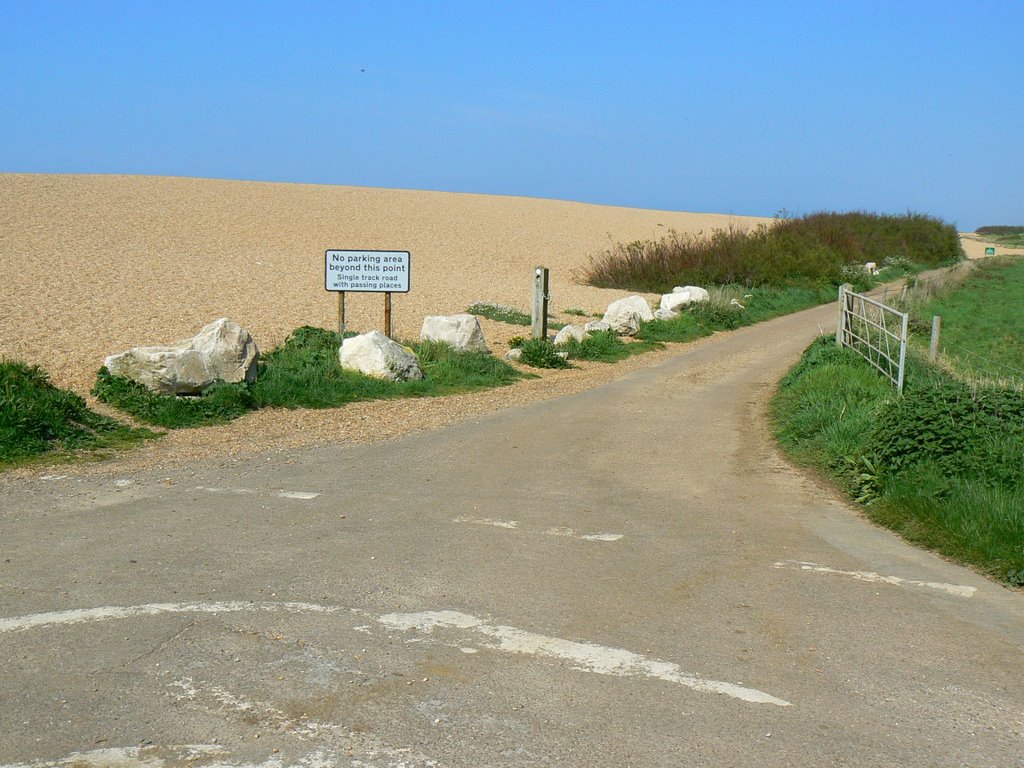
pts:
[577, 332]
[665, 314]
[221, 351]
[596, 325]
[374, 354]
[461, 331]
[625, 315]
[686, 294]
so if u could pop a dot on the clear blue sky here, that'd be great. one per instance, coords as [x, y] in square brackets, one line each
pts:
[732, 107]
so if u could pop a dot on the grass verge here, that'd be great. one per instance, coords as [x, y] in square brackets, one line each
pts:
[939, 465]
[981, 328]
[38, 420]
[720, 313]
[304, 372]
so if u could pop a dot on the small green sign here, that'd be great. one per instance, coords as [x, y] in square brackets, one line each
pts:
[990, 251]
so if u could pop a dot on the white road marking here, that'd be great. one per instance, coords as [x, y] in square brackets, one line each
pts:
[513, 525]
[106, 613]
[876, 578]
[236, 491]
[304, 495]
[588, 657]
[204, 756]
[365, 745]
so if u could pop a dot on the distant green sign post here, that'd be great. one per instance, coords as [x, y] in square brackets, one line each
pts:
[990, 251]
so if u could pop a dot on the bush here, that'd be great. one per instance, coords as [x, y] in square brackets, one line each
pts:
[809, 250]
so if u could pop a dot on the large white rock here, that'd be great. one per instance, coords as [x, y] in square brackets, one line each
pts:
[221, 351]
[596, 325]
[625, 315]
[665, 314]
[696, 292]
[461, 331]
[570, 332]
[376, 355]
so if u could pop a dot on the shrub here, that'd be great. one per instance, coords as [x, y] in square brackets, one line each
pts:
[813, 248]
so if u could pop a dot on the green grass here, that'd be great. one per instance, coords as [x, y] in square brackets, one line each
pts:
[719, 314]
[500, 313]
[510, 315]
[812, 249]
[940, 465]
[541, 353]
[981, 321]
[607, 347]
[38, 420]
[304, 372]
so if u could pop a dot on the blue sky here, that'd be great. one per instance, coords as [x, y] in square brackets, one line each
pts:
[731, 107]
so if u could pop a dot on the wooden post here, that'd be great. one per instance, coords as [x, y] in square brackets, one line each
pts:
[540, 303]
[933, 348]
[387, 314]
[341, 316]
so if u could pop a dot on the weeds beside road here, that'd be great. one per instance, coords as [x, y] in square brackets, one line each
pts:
[943, 465]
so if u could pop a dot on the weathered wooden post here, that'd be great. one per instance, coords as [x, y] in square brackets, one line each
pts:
[933, 348]
[540, 303]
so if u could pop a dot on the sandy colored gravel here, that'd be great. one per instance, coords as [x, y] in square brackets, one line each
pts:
[93, 265]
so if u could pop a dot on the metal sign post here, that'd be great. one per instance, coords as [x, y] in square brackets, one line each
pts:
[384, 272]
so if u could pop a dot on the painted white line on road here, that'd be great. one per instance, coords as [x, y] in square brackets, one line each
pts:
[876, 578]
[265, 713]
[513, 525]
[304, 495]
[203, 756]
[510, 524]
[109, 612]
[235, 491]
[151, 757]
[366, 746]
[589, 657]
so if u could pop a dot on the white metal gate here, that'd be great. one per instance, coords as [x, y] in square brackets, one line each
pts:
[877, 332]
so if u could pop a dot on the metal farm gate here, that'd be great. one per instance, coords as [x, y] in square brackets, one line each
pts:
[877, 332]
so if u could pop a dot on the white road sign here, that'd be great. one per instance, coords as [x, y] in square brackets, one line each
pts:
[368, 271]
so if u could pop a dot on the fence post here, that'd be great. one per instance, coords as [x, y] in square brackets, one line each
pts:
[841, 317]
[903, 352]
[540, 303]
[933, 348]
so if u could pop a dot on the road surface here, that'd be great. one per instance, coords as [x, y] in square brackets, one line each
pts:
[631, 576]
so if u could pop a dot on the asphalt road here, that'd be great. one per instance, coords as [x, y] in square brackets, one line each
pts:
[631, 576]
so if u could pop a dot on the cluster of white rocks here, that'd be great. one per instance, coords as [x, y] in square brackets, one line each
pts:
[224, 351]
